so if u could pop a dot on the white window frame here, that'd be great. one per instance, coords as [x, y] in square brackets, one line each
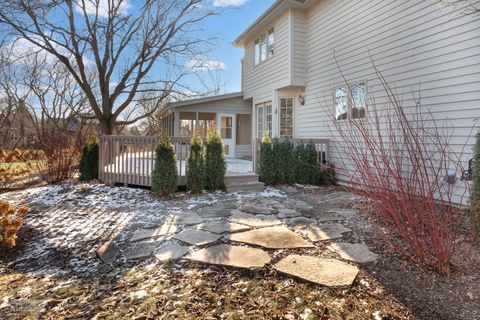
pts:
[261, 108]
[350, 100]
[264, 47]
[280, 116]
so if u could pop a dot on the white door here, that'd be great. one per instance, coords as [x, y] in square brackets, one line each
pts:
[226, 125]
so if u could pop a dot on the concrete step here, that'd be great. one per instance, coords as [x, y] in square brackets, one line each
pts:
[231, 179]
[246, 187]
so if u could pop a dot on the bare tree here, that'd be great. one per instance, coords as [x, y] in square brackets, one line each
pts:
[130, 49]
[42, 97]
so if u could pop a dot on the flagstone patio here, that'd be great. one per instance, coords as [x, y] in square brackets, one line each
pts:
[251, 235]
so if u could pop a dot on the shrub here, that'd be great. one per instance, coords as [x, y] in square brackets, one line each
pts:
[215, 165]
[16, 163]
[308, 169]
[11, 220]
[401, 163]
[164, 174]
[266, 161]
[476, 184]
[62, 155]
[89, 160]
[60, 165]
[283, 161]
[195, 165]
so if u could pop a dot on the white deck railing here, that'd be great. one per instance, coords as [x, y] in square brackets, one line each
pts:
[130, 160]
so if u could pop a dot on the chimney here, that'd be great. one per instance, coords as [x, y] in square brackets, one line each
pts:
[242, 62]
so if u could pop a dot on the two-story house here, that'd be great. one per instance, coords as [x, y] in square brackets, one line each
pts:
[299, 54]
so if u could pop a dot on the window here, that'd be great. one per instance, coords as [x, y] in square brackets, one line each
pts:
[264, 119]
[227, 127]
[350, 104]
[264, 47]
[286, 117]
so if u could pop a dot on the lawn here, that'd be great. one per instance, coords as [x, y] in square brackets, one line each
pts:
[54, 272]
[11, 167]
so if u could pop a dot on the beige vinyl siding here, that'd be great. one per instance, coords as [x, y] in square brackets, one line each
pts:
[299, 76]
[419, 47]
[262, 79]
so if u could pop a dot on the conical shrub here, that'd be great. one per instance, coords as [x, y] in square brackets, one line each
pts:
[165, 175]
[89, 161]
[195, 165]
[215, 165]
[266, 161]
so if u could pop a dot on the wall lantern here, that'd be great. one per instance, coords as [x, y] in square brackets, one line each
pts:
[301, 99]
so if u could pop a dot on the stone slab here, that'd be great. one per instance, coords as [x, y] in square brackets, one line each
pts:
[353, 251]
[254, 220]
[171, 251]
[184, 218]
[288, 213]
[140, 250]
[301, 221]
[108, 252]
[233, 256]
[256, 209]
[326, 231]
[221, 227]
[327, 272]
[209, 212]
[142, 234]
[276, 237]
[196, 237]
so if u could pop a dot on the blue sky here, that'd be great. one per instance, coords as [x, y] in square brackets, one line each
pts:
[229, 25]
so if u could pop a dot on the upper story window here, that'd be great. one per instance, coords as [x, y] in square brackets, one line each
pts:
[264, 47]
[350, 103]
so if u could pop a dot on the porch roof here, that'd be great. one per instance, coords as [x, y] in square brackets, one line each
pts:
[172, 106]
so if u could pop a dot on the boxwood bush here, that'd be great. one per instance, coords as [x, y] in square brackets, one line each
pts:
[280, 162]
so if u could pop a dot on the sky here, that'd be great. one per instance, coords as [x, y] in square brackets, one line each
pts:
[236, 16]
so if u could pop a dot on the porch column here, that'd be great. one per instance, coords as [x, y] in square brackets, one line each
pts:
[176, 127]
[196, 121]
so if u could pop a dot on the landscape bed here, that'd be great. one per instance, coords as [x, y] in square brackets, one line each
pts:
[55, 272]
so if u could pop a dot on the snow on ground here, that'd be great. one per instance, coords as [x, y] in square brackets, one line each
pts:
[69, 222]
[145, 165]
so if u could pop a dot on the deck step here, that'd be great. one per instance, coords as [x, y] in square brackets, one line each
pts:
[253, 186]
[231, 179]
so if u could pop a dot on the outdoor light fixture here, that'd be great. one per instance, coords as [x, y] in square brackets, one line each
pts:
[301, 98]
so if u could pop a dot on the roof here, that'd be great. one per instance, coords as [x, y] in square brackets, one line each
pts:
[275, 10]
[206, 99]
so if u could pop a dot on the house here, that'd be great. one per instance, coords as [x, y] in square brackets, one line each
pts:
[299, 54]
